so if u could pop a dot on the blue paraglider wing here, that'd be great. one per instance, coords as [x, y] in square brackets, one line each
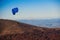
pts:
[14, 11]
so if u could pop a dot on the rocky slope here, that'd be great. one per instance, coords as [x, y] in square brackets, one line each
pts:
[12, 30]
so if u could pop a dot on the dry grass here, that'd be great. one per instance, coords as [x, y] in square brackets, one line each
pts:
[12, 30]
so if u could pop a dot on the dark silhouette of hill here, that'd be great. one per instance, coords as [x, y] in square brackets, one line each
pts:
[12, 30]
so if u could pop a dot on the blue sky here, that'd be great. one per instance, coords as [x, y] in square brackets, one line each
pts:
[30, 9]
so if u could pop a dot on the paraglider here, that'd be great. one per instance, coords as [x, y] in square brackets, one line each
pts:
[14, 10]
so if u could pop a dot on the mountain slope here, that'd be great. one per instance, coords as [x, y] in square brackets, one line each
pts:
[12, 30]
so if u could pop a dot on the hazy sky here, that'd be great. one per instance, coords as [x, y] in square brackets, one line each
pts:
[30, 9]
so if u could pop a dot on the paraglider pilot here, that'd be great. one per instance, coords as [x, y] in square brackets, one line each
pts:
[14, 10]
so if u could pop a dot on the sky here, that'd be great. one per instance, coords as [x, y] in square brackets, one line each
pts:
[30, 9]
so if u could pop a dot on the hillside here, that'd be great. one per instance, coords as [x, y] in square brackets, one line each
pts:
[12, 30]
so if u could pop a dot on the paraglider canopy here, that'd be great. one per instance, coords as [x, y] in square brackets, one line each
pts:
[14, 10]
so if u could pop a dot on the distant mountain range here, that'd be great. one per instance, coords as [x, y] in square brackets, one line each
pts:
[51, 23]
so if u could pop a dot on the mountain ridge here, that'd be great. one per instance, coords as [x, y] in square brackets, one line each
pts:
[13, 30]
